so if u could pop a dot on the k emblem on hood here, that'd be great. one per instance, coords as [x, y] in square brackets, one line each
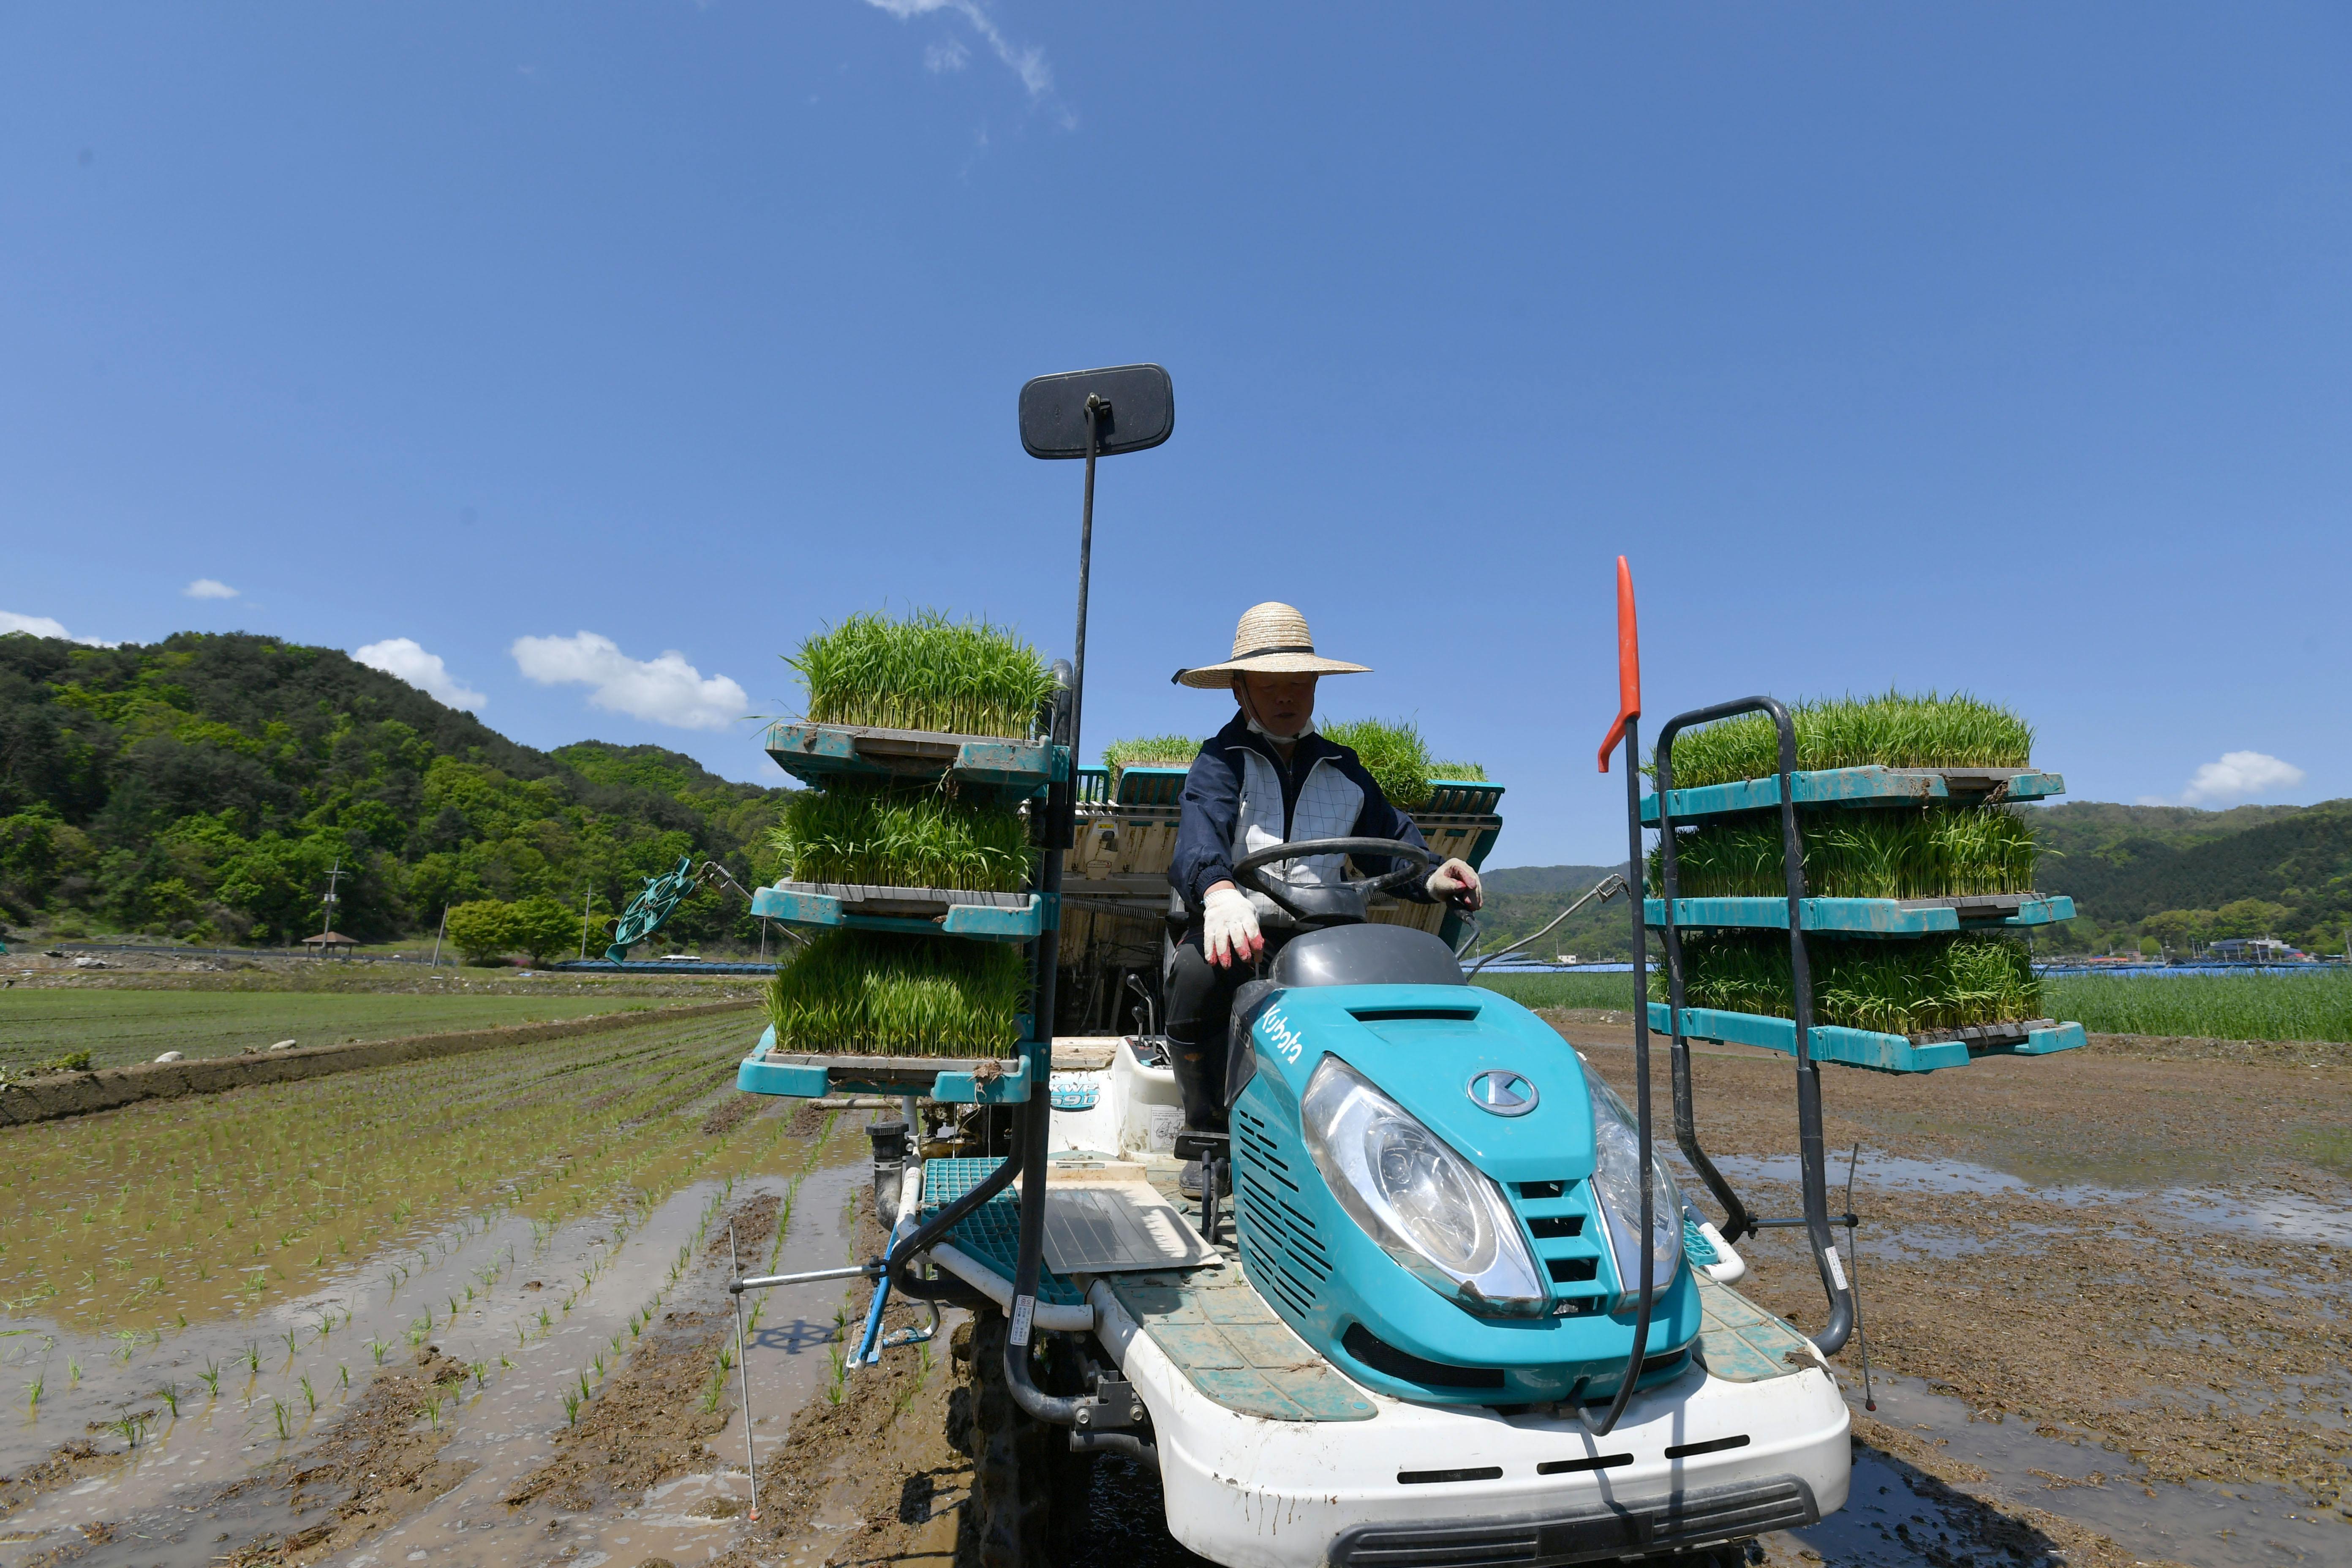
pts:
[1504, 1093]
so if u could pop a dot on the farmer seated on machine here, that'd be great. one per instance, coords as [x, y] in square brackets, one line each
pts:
[1266, 778]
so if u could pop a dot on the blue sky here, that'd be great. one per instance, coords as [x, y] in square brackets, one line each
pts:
[620, 346]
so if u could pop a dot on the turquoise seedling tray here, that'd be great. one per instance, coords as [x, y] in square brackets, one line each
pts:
[1867, 917]
[958, 1081]
[819, 754]
[1001, 917]
[1865, 1049]
[1860, 786]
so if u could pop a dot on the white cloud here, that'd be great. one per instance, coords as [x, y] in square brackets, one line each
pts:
[947, 55]
[43, 627]
[210, 588]
[665, 690]
[1027, 63]
[2238, 777]
[401, 659]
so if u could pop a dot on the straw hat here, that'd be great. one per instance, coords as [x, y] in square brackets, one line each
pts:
[1272, 639]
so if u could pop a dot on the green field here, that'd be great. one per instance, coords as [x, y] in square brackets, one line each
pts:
[2217, 1007]
[222, 1205]
[121, 1026]
[1564, 990]
[2208, 1006]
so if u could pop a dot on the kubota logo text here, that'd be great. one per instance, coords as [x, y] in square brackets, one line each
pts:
[1280, 1035]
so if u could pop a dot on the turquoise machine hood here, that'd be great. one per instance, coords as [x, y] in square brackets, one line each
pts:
[1503, 1090]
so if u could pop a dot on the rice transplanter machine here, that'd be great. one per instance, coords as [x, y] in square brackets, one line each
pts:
[1460, 1314]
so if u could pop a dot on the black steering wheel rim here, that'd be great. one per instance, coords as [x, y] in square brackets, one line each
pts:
[1247, 869]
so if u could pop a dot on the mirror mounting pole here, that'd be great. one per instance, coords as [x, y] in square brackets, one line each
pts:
[1057, 422]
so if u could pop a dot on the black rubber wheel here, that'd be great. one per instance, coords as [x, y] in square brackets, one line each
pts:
[1028, 1490]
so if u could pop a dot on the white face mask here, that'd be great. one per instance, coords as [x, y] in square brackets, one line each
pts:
[1258, 729]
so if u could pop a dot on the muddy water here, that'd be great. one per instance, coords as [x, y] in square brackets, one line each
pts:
[2243, 1525]
[541, 1310]
[2276, 1214]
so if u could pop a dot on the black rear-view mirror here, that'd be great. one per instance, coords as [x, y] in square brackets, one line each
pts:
[1136, 410]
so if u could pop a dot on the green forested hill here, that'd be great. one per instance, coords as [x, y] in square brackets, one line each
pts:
[203, 785]
[2183, 875]
[1522, 900]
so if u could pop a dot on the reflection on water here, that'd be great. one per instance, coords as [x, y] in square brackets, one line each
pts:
[2270, 1213]
[1893, 1519]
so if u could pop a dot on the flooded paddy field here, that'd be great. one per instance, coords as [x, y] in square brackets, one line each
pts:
[2106, 1302]
[274, 1323]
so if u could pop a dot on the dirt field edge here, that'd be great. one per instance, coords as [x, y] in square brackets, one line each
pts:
[109, 1088]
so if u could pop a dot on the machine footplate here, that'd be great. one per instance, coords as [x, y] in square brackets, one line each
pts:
[1741, 1341]
[1233, 1349]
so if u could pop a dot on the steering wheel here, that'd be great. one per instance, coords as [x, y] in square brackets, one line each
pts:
[1245, 870]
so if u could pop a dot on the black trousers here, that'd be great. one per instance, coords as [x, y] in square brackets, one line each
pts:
[1199, 1012]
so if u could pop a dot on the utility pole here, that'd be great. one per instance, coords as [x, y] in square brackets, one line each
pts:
[586, 900]
[326, 905]
[437, 936]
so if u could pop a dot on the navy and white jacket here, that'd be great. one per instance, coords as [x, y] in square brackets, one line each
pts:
[1239, 798]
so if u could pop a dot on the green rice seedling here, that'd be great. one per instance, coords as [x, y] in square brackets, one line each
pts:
[545, 1323]
[129, 1427]
[431, 1409]
[1458, 772]
[343, 1376]
[211, 1376]
[2251, 1006]
[32, 1391]
[1892, 731]
[379, 1348]
[1393, 753]
[907, 837]
[284, 1416]
[869, 992]
[1893, 987]
[309, 1394]
[293, 1342]
[924, 673]
[481, 1371]
[73, 1372]
[1925, 853]
[169, 1393]
[1148, 751]
[572, 1403]
[253, 1355]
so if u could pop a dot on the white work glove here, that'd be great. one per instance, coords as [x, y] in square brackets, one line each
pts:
[1229, 932]
[1455, 882]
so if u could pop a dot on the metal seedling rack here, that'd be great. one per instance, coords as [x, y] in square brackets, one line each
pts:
[1859, 788]
[1084, 415]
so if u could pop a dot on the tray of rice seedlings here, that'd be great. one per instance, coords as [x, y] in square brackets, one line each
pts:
[1900, 1006]
[1158, 763]
[1908, 871]
[924, 857]
[1393, 752]
[858, 1009]
[1890, 750]
[921, 697]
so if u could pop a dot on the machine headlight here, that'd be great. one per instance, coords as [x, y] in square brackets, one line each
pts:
[1426, 1206]
[1617, 1181]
